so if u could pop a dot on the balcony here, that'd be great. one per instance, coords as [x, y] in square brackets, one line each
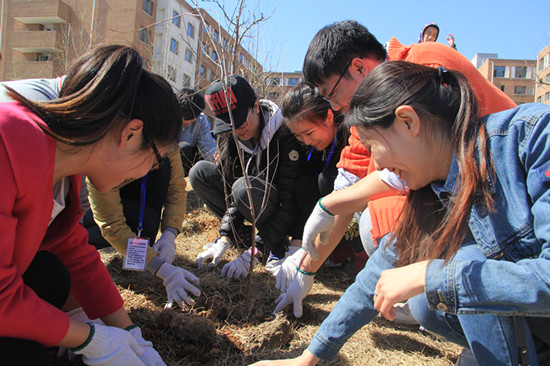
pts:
[37, 41]
[37, 69]
[39, 12]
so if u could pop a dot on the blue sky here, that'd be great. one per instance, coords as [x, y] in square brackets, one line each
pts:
[512, 29]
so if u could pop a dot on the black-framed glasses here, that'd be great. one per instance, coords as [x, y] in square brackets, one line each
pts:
[245, 123]
[330, 95]
[155, 150]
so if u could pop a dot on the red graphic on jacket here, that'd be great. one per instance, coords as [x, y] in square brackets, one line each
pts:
[218, 102]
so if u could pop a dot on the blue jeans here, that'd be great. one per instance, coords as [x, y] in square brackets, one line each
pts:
[492, 338]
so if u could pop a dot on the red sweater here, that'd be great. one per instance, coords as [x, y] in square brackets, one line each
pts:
[355, 158]
[27, 157]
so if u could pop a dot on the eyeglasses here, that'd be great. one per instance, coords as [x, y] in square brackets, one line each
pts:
[245, 123]
[330, 95]
[155, 150]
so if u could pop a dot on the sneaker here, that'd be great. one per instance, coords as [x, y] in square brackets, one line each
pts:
[403, 314]
[466, 358]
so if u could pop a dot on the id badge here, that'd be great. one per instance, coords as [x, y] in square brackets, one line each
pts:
[136, 254]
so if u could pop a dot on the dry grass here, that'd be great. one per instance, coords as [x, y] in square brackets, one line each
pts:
[219, 331]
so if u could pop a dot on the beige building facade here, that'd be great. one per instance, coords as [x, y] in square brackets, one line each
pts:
[516, 78]
[277, 84]
[41, 38]
[542, 93]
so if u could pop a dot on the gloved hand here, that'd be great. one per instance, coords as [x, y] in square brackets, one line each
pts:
[110, 346]
[150, 357]
[319, 223]
[77, 314]
[239, 267]
[274, 266]
[177, 282]
[298, 289]
[166, 246]
[213, 250]
[288, 270]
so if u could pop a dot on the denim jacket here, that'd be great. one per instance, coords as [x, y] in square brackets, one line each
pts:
[515, 278]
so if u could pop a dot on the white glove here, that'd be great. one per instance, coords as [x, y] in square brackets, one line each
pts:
[288, 270]
[77, 314]
[298, 289]
[274, 266]
[110, 346]
[239, 267]
[177, 282]
[213, 250]
[319, 223]
[150, 357]
[166, 246]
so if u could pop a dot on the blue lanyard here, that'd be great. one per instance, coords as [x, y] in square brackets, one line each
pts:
[329, 154]
[142, 203]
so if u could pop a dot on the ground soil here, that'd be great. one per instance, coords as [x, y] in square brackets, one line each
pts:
[224, 329]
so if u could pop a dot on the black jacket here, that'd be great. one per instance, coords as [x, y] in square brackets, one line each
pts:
[280, 163]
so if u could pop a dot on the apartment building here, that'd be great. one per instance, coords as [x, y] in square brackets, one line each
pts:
[277, 84]
[542, 92]
[516, 78]
[42, 38]
[176, 42]
[217, 51]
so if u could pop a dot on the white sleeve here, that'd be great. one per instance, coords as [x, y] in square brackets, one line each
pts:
[345, 179]
[392, 180]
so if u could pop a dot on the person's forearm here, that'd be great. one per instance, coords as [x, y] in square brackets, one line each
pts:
[336, 234]
[76, 335]
[119, 319]
[356, 197]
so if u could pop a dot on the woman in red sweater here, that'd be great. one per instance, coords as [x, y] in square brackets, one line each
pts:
[113, 121]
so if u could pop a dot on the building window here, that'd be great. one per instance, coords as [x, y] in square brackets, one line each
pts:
[209, 76]
[148, 7]
[531, 90]
[240, 58]
[186, 81]
[273, 96]
[144, 35]
[539, 99]
[501, 87]
[292, 81]
[520, 72]
[188, 56]
[216, 35]
[190, 30]
[541, 64]
[275, 81]
[520, 90]
[176, 19]
[224, 44]
[203, 48]
[214, 56]
[499, 71]
[201, 70]
[548, 78]
[171, 73]
[43, 57]
[174, 46]
[547, 96]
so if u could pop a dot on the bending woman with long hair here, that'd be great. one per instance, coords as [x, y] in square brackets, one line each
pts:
[113, 121]
[471, 250]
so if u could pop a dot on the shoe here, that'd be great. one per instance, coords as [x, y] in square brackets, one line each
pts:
[403, 314]
[466, 358]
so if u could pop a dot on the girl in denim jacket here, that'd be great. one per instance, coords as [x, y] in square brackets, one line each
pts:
[472, 248]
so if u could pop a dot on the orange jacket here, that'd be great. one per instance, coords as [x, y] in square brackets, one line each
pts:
[357, 160]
